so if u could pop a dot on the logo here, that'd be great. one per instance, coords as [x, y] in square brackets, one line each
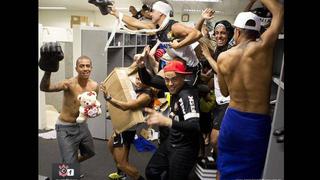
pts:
[182, 106]
[170, 36]
[65, 171]
[192, 105]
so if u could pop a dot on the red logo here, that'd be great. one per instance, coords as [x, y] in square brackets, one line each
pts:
[63, 170]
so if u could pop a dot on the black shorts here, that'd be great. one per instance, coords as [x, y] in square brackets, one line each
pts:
[124, 138]
[218, 114]
[205, 122]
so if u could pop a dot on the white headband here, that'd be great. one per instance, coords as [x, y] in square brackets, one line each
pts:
[220, 25]
[162, 7]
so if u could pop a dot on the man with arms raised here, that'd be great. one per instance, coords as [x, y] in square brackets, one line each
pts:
[244, 73]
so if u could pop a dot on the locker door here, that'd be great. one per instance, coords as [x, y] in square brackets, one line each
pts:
[93, 43]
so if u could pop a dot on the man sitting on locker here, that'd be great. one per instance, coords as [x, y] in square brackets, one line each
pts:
[177, 36]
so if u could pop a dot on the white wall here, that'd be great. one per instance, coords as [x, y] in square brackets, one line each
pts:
[62, 18]
[106, 21]
[41, 95]
[194, 17]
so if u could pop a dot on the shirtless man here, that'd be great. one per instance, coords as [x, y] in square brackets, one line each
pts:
[244, 73]
[71, 136]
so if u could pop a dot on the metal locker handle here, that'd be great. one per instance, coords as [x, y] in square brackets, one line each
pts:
[279, 133]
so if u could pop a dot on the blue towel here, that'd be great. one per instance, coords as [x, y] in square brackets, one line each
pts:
[143, 145]
[242, 145]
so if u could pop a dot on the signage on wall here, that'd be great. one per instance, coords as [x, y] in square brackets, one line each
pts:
[185, 17]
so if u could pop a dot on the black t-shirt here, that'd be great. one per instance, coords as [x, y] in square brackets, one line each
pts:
[138, 15]
[185, 114]
[185, 111]
[166, 34]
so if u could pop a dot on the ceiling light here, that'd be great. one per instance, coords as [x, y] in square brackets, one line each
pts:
[52, 8]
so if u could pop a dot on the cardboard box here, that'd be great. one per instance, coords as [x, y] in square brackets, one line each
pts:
[119, 86]
[78, 20]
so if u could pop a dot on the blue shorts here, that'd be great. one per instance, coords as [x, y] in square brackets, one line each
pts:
[242, 145]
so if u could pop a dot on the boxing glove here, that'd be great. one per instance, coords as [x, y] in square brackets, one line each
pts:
[265, 17]
[102, 5]
[50, 55]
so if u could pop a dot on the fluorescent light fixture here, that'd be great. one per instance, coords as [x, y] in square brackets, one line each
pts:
[200, 0]
[200, 10]
[123, 8]
[52, 8]
[192, 10]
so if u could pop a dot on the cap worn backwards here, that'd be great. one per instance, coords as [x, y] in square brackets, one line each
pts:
[244, 17]
[162, 7]
[176, 66]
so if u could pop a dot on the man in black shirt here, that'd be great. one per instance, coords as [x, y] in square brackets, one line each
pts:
[136, 14]
[178, 154]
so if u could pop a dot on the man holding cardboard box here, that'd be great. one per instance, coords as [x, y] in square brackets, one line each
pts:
[119, 144]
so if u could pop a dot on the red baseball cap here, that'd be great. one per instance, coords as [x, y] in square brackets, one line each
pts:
[176, 66]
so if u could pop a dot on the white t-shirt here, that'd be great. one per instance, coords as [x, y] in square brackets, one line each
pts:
[186, 53]
[219, 97]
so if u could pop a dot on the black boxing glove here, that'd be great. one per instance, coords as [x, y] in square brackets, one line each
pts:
[102, 5]
[265, 17]
[50, 55]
